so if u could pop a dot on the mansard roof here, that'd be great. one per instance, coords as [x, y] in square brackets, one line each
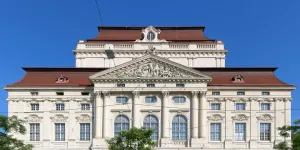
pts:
[79, 77]
[168, 33]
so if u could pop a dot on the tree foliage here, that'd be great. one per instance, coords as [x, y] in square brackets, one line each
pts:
[12, 125]
[287, 131]
[134, 139]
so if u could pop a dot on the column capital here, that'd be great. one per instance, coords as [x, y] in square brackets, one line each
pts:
[105, 93]
[136, 93]
[165, 93]
[203, 93]
[195, 93]
[97, 93]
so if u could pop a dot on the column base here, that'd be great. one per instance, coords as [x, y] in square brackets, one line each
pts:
[165, 142]
[228, 143]
[99, 143]
[198, 142]
[253, 143]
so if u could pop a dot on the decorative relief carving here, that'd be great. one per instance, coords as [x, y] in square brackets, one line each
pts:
[136, 94]
[165, 94]
[265, 117]
[240, 117]
[215, 117]
[84, 118]
[59, 118]
[150, 68]
[33, 118]
[154, 37]
[194, 93]
[203, 93]
[98, 93]
[150, 50]
[62, 79]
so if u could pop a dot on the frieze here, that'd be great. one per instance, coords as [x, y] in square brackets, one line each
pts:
[240, 117]
[33, 118]
[265, 117]
[215, 117]
[59, 118]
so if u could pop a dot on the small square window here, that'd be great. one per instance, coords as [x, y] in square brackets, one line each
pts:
[85, 93]
[150, 85]
[59, 93]
[240, 106]
[34, 93]
[265, 93]
[35, 106]
[180, 85]
[240, 93]
[215, 106]
[215, 93]
[60, 106]
[85, 106]
[265, 106]
[120, 85]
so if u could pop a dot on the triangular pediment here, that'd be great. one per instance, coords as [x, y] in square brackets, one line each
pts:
[151, 67]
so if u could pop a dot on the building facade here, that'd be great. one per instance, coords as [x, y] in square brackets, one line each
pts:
[170, 79]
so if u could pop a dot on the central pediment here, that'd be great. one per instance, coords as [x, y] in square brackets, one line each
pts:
[150, 67]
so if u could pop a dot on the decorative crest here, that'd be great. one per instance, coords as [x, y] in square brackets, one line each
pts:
[240, 117]
[215, 117]
[150, 50]
[62, 79]
[33, 118]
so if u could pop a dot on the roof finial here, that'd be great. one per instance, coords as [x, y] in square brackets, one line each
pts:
[150, 50]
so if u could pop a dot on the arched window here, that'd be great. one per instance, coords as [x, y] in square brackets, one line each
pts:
[150, 99]
[121, 124]
[179, 99]
[151, 122]
[179, 128]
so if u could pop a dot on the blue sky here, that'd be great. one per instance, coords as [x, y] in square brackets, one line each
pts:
[257, 33]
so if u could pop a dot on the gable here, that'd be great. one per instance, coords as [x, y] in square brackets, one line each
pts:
[151, 67]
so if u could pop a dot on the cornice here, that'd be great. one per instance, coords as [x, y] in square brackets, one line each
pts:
[32, 99]
[256, 87]
[248, 99]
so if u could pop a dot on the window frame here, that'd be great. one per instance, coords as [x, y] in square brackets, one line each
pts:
[150, 85]
[180, 85]
[268, 93]
[212, 108]
[121, 85]
[60, 93]
[124, 126]
[238, 93]
[148, 125]
[216, 137]
[151, 99]
[60, 132]
[265, 136]
[264, 108]
[35, 106]
[121, 102]
[85, 106]
[85, 131]
[214, 93]
[237, 130]
[61, 106]
[34, 132]
[182, 135]
[179, 102]
[238, 108]
[34, 93]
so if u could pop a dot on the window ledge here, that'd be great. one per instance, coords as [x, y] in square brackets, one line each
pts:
[59, 111]
[83, 111]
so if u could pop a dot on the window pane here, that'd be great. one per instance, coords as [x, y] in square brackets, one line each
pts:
[265, 132]
[151, 99]
[240, 131]
[179, 99]
[121, 124]
[215, 131]
[179, 128]
[215, 106]
[240, 106]
[151, 122]
[215, 93]
[122, 100]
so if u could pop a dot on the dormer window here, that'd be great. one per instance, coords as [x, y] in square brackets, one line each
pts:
[62, 79]
[238, 79]
[150, 36]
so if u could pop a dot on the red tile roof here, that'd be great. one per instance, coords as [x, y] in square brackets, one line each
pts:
[108, 33]
[79, 76]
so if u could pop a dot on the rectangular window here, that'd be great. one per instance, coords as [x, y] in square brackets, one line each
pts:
[265, 93]
[180, 85]
[60, 106]
[240, 93]
[35, 106]
[215, 131]
[240, 131]
[122, 100]
[85, 106]
[34, 131]
[60, 93]
[85, 132]
[34, 93]
[215, 106]
[240, 106]
[265, 106]
[265, 131]
[150, 85]
[85, 93]
[215, 93]
[120, 85]
[59, 132]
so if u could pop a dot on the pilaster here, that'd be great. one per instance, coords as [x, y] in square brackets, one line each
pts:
[165, 140]
[136, 109]
[203, 119]
[195, 141]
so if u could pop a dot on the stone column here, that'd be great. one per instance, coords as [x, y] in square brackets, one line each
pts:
[105, 118]
[98, 115]
[136, 109]
[194, 114]
[203, 116]
[165, 140]
[254, 126]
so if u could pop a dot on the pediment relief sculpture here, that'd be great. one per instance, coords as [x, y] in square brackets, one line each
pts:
[240, 117]
[33, 118]
[84, 118]
[215, 117]
[59, 118]
[265, 117]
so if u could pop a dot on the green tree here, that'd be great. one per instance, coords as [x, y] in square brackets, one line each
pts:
[12, 125]
[134, 139]
[285, 132]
